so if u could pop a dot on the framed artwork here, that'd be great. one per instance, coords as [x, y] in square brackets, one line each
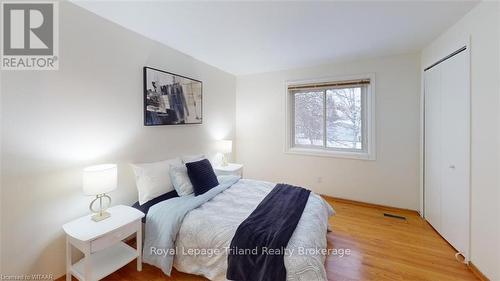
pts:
[171, 99]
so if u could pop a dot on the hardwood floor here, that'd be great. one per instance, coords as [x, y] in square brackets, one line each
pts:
[382, 248]
[388, 248]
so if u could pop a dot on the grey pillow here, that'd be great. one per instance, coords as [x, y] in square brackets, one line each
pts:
[180, 179]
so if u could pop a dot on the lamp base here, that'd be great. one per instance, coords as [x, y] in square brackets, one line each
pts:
[101, 213]
[224, 161]
[101, 216]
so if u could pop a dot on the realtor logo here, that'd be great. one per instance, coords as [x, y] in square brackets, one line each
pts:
[30, 36]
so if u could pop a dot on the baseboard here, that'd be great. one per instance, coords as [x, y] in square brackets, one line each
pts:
[370, 205]
[477, 272]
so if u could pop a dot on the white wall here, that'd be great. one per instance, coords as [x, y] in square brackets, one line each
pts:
[90, 111]
[482, 25]
[392, 179]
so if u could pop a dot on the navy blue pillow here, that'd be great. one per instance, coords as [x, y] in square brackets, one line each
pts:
[202, 176]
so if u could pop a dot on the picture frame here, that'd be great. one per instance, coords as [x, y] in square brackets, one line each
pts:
[171, 99]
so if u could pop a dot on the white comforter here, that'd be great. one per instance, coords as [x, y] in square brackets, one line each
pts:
[211, 227]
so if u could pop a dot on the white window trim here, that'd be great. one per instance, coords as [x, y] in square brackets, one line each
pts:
[368, 154]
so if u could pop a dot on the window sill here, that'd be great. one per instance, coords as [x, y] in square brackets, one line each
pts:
[330, 153]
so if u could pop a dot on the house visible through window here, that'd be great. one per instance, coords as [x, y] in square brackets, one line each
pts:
[333, 117]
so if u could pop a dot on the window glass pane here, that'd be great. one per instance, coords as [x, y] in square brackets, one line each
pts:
[343, 121]
[309, 118]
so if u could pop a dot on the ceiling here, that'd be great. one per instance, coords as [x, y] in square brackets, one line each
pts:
[252, 37]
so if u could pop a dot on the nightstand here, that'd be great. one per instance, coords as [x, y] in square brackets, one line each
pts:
[230, 169]
[102, 243]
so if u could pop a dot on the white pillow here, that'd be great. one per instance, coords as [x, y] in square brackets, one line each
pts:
[192, 158]
[180, 179]
[152, 179]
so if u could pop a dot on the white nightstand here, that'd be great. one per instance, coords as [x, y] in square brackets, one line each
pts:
[101, 243]
[230, 169]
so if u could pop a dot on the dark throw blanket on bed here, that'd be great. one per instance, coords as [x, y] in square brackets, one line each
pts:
[269, 227]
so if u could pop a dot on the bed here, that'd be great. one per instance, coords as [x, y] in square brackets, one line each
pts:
[193, 233]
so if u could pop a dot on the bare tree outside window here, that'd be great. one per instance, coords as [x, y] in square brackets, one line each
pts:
[343, 118]
[309, 118]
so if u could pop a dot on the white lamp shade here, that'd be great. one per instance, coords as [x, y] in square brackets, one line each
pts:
[100, 179]
[224, 146]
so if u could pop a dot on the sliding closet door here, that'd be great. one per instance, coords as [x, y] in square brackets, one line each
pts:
[433, 149]
[455, 152]
[446, 174]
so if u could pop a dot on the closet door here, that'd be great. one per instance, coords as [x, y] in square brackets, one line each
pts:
[433, 138]
[447, 152]
[455, 152]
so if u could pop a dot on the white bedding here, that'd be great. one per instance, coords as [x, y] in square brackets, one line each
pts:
[212, 226]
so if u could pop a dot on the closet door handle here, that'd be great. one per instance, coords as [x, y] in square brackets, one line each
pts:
[452, 167]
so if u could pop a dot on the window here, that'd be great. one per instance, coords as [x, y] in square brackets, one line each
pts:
[332, 118]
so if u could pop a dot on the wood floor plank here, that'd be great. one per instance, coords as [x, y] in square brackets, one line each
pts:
[382, 249]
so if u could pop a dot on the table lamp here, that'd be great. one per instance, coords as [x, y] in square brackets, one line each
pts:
[97, 181]
[224, 147]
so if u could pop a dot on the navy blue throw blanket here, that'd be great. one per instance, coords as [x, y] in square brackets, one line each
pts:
[257, 249]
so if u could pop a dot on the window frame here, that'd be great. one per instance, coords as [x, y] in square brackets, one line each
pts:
[368, 121]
